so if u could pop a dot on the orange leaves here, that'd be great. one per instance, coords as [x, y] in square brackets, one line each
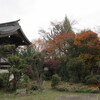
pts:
[63, 36]
[60, 41]
[89, 46]
[87, 39]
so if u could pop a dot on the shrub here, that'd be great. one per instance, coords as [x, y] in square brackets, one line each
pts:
[86, 78]
[77, 89]
[3, 80]
[62, 89]
[92, 79]
[25, 78]
[97, 77]
[55, 80]
[34, 87]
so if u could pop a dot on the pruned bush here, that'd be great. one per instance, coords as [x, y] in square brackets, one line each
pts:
[92, 79]
[55, 80]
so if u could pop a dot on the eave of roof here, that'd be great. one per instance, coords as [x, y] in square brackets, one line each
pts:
[11, 28]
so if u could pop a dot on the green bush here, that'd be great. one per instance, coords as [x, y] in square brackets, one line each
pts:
[34, 87]
[62, 89]
[3, 80]
[86, 78]
[92, 79]
[97, 77]
[55, 80]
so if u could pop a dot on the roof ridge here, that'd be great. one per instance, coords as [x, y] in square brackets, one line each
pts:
[10, 22]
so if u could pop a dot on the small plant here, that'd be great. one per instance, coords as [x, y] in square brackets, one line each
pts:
[55, 80]
[34, 87]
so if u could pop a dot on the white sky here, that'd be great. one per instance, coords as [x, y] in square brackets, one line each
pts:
[36, 14]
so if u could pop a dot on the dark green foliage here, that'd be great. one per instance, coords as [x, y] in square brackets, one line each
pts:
[67, 26]
[4, 80]
[16, 69]
[55, 80]
[63, 69]
[76, 69]
[34, 87]
[7, 48]
[62, 89]
[29, 71]
[86, 78]
[1, 81]
[35, 61]
[92, 79]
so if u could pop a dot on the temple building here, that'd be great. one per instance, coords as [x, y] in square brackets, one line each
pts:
[11, 33]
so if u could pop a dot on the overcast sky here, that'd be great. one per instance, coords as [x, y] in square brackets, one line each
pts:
[36, 14]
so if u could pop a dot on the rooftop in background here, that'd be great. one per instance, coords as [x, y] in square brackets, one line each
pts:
[12, 33]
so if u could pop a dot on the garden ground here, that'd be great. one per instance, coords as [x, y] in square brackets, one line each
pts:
[50, 94]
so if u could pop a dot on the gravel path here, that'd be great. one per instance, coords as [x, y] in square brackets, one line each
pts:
[79, 97]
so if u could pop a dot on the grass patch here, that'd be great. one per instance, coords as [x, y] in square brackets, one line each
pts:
[36, 95]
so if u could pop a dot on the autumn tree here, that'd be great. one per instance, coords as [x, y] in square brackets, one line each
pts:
[52, 65]
[83, 52]
[89, 48]
[56, 37]
[57, 28]
[59, 45]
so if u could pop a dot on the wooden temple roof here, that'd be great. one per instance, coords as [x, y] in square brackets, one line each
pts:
[12, 33]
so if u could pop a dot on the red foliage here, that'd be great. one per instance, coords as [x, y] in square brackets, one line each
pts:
[50, 63]
[60, 41]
